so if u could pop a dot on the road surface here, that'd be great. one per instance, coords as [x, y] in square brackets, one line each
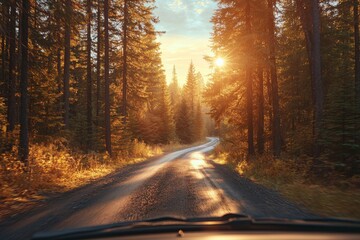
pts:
[183, 183]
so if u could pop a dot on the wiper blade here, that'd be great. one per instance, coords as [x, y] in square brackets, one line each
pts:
[227, 222]
[153, 222]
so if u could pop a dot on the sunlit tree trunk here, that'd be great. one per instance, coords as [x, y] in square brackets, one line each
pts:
[98, 60]
[12, 80]
[107, 82]
[24, 134]
[249, 90]
[260, 131]
[276, 131]
[66, 93]
[124, 90]
[88, 77]
[58, 67]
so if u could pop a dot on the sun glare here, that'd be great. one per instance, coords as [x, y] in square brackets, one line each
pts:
[219, 62]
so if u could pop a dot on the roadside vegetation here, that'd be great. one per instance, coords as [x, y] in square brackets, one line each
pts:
[333, 196]
[55, 167]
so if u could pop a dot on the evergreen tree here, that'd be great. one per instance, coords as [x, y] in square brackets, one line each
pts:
[183, 123]
[174, 89]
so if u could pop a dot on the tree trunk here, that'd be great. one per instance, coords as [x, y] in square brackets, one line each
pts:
[276, 131]
[124, 100]
[309, 11]
[107, 82]
[249, 91]
[24, 134]
[4, 40]
[260, 132]
[357, 66]
[89, 80]
[316, 75]
[98, 61]
[58, 67]
[66, 93]
[12, 80]
[269, 97]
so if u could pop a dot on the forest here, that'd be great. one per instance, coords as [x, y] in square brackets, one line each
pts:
[291, 85]
[82, 85]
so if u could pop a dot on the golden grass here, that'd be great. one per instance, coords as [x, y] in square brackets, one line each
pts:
[291, 178]
[54, 167]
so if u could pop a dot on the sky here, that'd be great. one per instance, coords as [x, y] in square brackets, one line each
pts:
[187, 38]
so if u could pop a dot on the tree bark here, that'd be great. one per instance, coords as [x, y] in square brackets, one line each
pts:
[316, 75]
[357, 66]
[124, 92]
[260, 132]
[24, 133]
[89, 80]
[309, 11]
[276, 130]
[98, 61]
[66, 93]
[12, 80]
[4, 37]
[107, 82]
[249, 90]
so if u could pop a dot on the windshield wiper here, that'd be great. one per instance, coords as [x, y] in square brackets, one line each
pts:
[117, 228]
[226, 222]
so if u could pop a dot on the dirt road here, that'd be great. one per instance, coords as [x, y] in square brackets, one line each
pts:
[183, 183]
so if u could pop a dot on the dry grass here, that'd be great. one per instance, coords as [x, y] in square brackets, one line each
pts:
[55, 167]
[337, 198]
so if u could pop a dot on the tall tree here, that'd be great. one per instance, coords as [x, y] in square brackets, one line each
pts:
[190, 89]
[183, 123]
[249, 79]
[88, 75]
[276, 131]
[66, 91]
[260, 130]
[107, 81]
[98, 59]
[24, 130]
[316, 74]
[125, 64]
[357, 62]
[12, 80]
[174, 88]
[309, 11]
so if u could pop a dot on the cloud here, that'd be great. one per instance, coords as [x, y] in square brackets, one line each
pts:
[187, 25]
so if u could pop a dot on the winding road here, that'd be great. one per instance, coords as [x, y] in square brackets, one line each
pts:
[184, 183]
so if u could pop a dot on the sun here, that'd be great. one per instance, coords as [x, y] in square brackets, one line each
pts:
[219, 62]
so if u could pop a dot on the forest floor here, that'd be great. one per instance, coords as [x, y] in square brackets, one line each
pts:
[335, 198]
[56, 169]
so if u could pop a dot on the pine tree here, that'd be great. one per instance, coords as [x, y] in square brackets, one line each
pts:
[183, 123]
[12, 81]
[174, 89]
[88, 75]
[24, 130]
[198, 124]
[106, 76]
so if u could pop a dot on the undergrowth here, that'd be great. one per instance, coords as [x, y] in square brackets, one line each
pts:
[337, 196]
[55, 167]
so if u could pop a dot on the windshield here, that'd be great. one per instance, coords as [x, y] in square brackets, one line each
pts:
[122, 110]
